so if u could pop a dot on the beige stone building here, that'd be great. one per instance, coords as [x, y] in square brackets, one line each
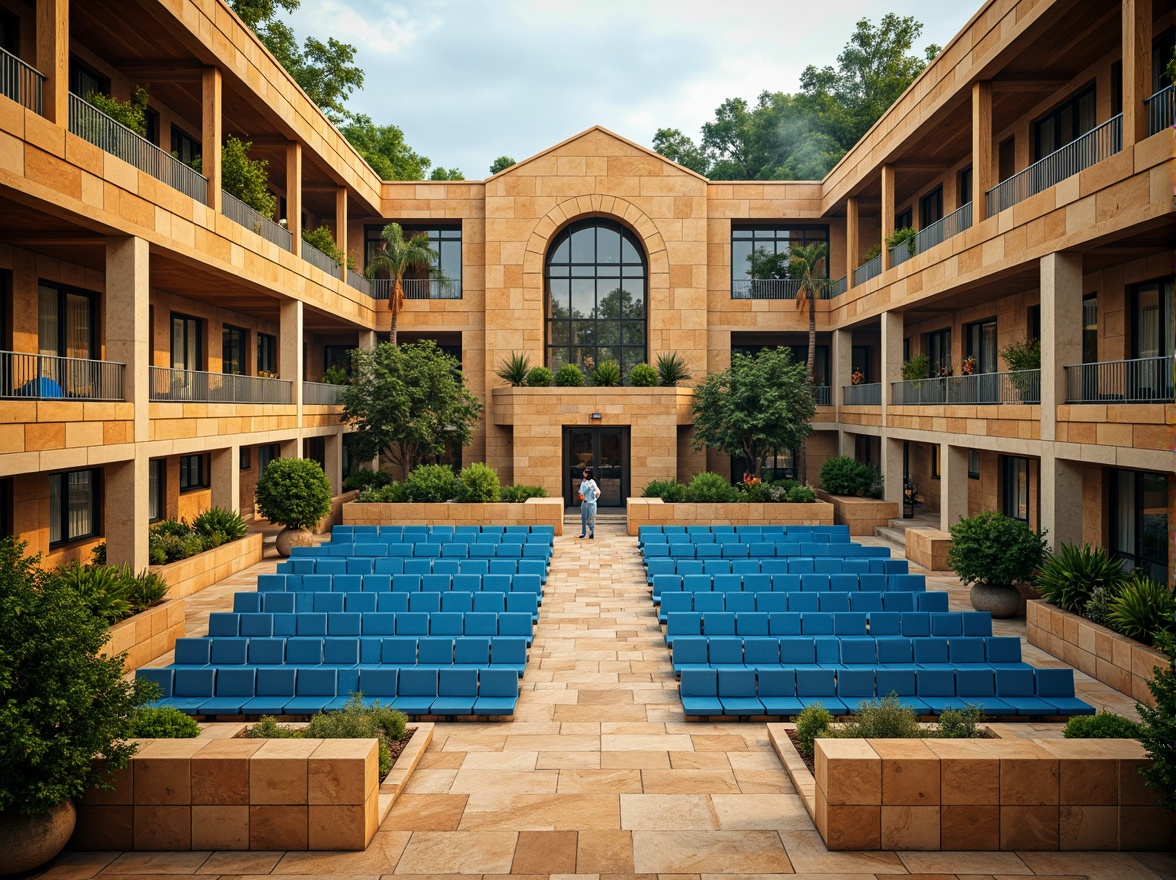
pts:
[160, 342]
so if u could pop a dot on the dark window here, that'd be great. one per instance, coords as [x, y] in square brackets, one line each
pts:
[1139, 521]
[779, 466]
[973, 464]
[861, 362]
[821, 375]
[1067, 122]
[151, 124]
[939, 351]
[931, 208]
[965, 186]
[156, 488]
[1163, 48]
[760, 254]
[904, 219]
[1033, 321]
[906, 348]
[1090, 328]
[267, 355]
[1007, 158]
[194, 472]
[84, 79]
[233, 349]
[866, 449]
[440, 281]
[266, 454]
[74, 511]
[6, 529]
[9, 33]
[1014, 489]
[67, 322]
[185, 147]
[187, 343]
[1152, 325]
[337, 356]
[596, 297]
[245, 458]
[5, 310]
[1116, 88]
[980, 339]
[935, 461]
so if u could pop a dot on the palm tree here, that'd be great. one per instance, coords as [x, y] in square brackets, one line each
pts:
[396, 256]
[804, 263]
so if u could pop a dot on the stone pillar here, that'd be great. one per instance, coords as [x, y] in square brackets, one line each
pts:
[291, 448]
[333, 452]
[294, 195]
[852, 255]
[211, 139]
[891, 454]
[52, 58]
[127, 328]
[1061, 500]
[1137, 48]
[1061, 332]
[953, 488]
[887, 212]
[842, 366]
[290, 353]
[127, 512]
[367, 340]
[983, 172]
[892, 331]
[226, 477]
[341, 227]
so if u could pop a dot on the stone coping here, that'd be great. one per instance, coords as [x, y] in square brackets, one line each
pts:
[928, 548]
[656, 512]
[147, 635]
[861, 515]
[532, 512]
[191, 575]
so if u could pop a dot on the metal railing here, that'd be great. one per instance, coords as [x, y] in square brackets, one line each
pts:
[1078, 155]
[21, 83]
[866, 271]
[1142, 380]
[354, 279]
[194, 386]
[91, 124]
[419, 288]
[937, 233]
[1022, 386]
[240, 213]
[316, 257]
[839, 287]
[320, 394]
[46, 377]
[1161, 110]
[868, 394]
[775, 288]
[821, 396]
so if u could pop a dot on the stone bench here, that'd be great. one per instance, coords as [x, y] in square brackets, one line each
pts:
[928, 548]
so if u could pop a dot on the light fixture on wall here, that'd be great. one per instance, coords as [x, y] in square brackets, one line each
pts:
[596, 417]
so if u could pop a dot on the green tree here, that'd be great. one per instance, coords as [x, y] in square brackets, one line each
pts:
[805, 264]
[440, 173]
[758, 406]
[246, 178]
[677, 147]
[501, 164]
[383, 147]
[397, 255]
[408, 402]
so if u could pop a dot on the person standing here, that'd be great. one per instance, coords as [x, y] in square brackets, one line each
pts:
[589, 492]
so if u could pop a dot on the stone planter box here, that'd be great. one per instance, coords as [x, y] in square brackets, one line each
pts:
[862, 515]
[1115, 660]
[147, 635]
[193, 574]
[928, 548]
[980, 794]
[224, 792]
[335, 517]
[532, 512]
[655, 512]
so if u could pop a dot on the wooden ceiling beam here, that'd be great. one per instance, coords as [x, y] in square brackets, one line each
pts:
[163, 71]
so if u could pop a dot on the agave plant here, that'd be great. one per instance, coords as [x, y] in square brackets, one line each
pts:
[1073, 575]
[1143, 609]
[101, 588]
[607, 374]
[671, 369]
[514, 369]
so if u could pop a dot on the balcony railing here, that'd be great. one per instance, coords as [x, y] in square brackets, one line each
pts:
[869, 394]
[419, 288]
[91, 124]
[320, 394]
[240, 213]
[45, 377]
[866, 271]
[839, 287]
[1143, 380]
[193, 386]
[1022, 386]
[937, 233]
[354, 279]
[774, 288]
[1161, 110]
[316, 257]
[20, 82]
[1078, 155]
[821, 396]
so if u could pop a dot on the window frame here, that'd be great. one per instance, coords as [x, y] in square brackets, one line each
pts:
[964, 185]
[1011, 468]
[1155, 567]
[781, 238]
[189, 322]
[80, 72]
[904, 219]
[267, 354]
[973, 464]
[185, 147]
[938, 339]
[242, 344]
[974, 345]
[931, 203]
[61, 344]
[1070, 107]
[203, 476]
[62, 519]
[157, 494]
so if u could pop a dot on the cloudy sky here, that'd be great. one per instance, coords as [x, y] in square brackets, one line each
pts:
[470, 80]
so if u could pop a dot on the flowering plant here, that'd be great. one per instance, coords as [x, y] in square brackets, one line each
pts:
[857, 377]
[969, 366]
[751, 480]
[946, 371]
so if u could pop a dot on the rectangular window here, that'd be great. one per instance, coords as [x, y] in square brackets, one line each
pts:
[84, 79]
[760, 257]
[1139, 521]
[337, 356]
[1090, 328]
[935, 461]
[1064, 124]
[1152, 319]
[151, 124]
[973, 464]
[233, 350]
[980, 339]
[931, 208]
[965, 186]
[939, 351]
[1033, 322]
[9, 33]
[245, 458]
[1007, 158]
[156, 488]
[1014, 490]
[904, 219]
[6, 529]
[67, 322]
[442, 280]
[184, 146]
[1163, 48]
[861, 362]
[73, 506]
[187, 343]
[265, 454]
[865, 449]
[821, 374]
[194, 472]
[1116, 88]
[267, 355]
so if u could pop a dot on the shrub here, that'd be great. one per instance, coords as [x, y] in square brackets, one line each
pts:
[321, 239]
[1071, 576]
[146, 589]
[336, 375]
[162, 722]
[916, 368]
[569, 376]
[98, 553]
[132, 113]
[519, 494]
[100, 590]
[643, 376]
[1104, 725]
[246, 178]
[171, 528]
[899, 237]
[365, 478]
[294, 492]
[842, 475]
[538, 377]
[667, 490]
[607, 374]
[886, 718]
[671, 369]
[514, 369]
[478, 482]
[960, 723]
[1143, 610]
[994, 549]
[431, 484]
[812, 722]
[801, 495]
[217, 520]
[1024, 355]
[1157, 733]
[393, 493]
[710, 488]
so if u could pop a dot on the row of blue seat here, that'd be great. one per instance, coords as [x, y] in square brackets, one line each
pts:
[423, 532]
[822, 623]
[842, 542]
[840, 532]
[796, 565]
[745, 692]
[363, 603]
[290, 691]
[452, 550]
[399, 583]
[343, 623]
[700, 652]
[509, 652]
[810, 582]
[763, 550]
[392, 566]
[741, 603]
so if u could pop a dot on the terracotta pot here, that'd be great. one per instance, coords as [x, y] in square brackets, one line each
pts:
[1001, 601]
[288, 538]
[30, 841]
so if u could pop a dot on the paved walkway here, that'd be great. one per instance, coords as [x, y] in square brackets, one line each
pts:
[600, 775]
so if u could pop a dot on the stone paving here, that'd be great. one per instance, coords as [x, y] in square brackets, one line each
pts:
[600, 775]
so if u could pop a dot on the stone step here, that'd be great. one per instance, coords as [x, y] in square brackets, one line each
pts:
[893, 535]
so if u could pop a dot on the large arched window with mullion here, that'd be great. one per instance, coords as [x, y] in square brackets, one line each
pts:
[597, 284]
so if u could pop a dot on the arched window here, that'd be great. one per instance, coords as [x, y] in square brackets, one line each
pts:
[597, 286]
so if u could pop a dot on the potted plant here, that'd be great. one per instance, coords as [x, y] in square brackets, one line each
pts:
[64, 708]
[992, 553]
[295, 493]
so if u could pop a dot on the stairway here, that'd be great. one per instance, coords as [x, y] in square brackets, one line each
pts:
[895, 530]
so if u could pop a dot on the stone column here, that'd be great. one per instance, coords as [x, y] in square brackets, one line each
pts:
[851, 239]
[891, 465]
[52, 58]
[127, 329]
[1061, 332]
[341, 227]
[887, 212]
[983, 173]
[127, 512]
[333, 452]
[211, 139]
[291, 448]
[290, 353]
[367, 341]
[953, 489]
[842, 366]
[226, 477]
[1061, 499]
[1137, 48]
[294, 195]
[892, 332]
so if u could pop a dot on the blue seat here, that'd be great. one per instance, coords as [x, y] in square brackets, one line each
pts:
[699, 691]
[966, 650]
[797, 651]
[675, 602]
[389, 566]
[727, 583]
[339, 651]
[935, 686]
[708, 602]
[523, 603]
[508, 652]
[771, 602]
[901, 683]
[424, 603]
[419, 566]
[193, 652]
[377, 583]
[696, 583]
[777, 691]
[474, 567]
[392, 603]
[814, 583]
[412, 623]
[725, 652]
[398, 651]
[436, 583]
[737, 692]
[1003, 652]
[850, 623]
[784, 623]
[814, 623]
[489, 602]
[932, 601]
[497, 583]
[267, 652]
[498, 692]
[346, 583]
[930, 651]
[759, 651]
[827, 566]
[465, 583]
[947, 624]
[854, 686]
[907, 583]
[361, 603]
[739, 602]
[248, 602]
[192, 687]
[480, 624]
[446, 623]
[378, 684]
[894, 651]
[858, 651]
[751, 623]
[416, 690]
[718, 623]
[867, 602]
[224, 623]
[819, 686]
[916, 624]
[360, 566]
[1056, 687]
[804, 602]
[666, 583]
[843, 583]
[344, 623]
[682, 623]
[976, 623]
[273, 689]
[690, 652]
[471, 652]
[230, 652]
[976, 686]
[162, 676]
[304, 651]
[436, 651]
[511, 623]
[457, 691]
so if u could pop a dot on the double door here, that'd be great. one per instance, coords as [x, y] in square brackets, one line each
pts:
[606, 452]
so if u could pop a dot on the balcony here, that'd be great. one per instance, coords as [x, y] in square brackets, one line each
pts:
[866, 271]
[316, 257]
[320, 394]
[775, 288]
[243, 215]
[868, 394]
[838, 287]
[1142, 380]
[91, 124]
[193, 386]
[1161, 110]
[821, 396]
[937, 233]
[358, 282]
[44, 377]
[1023, 387]
[419, 288]
[1078, 155]
[21, 83]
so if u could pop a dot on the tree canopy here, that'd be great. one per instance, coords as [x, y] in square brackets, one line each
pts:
[801, 136]
[761, 404]
[501, 164]
[408, 402]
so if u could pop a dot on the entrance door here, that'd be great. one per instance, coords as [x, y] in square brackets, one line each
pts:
[606, 451]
